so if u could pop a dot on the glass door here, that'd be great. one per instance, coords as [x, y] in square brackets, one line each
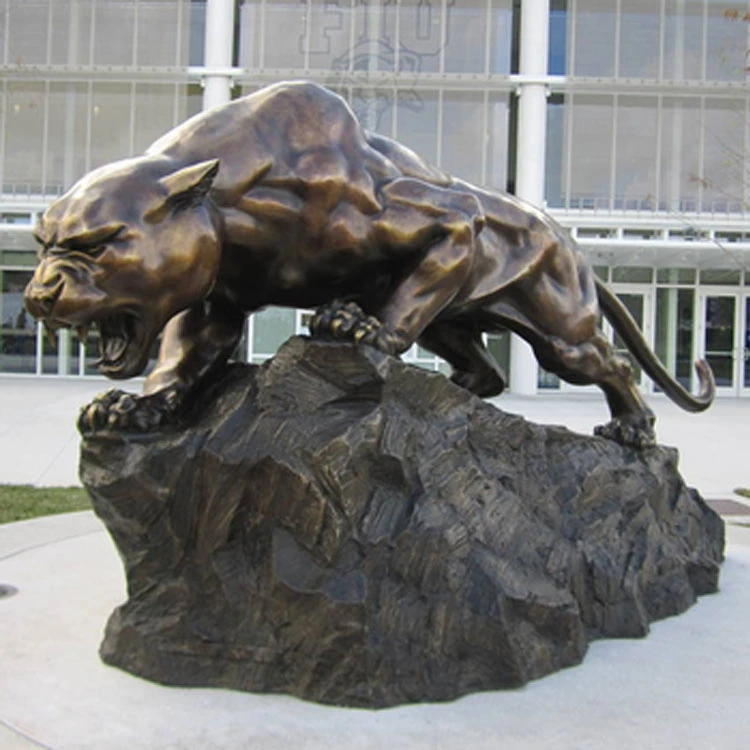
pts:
[639, 304]
[745, 348]
[720, 339]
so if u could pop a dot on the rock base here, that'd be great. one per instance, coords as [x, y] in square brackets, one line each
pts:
[349, 529]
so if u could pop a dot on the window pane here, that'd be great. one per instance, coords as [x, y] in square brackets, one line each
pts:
[719, 276]
[154, 113]
[680, 167]
[154, 46]
[285, 34]
[110, 123]
[591, 166]
[24, 137]
[726, 44]
[463, 134]
[466, 32]
[66, 157]
[635, 170]
[676, 276]
[373, 106]
[60, 355]
[17, 327]
[725, 174]
[558, 37]
[114, 48]
[71, 32]
[683, 40]
[674, 332]
[196, 33]
[420, 34]
[639, 39]
[271, 328]
[632, 274]
[417, 122]
[327, 38]
[501, 35]
[28, 24]
[554, 175]
[497, 142]
[595, 37]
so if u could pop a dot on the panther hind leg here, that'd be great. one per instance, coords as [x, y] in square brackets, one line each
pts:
[462, 347]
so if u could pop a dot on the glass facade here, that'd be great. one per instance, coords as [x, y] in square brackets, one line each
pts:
[85, 82]
[647, 146]
[654, 114]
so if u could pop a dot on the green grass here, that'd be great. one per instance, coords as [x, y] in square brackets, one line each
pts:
[743, 492]
[21, 501]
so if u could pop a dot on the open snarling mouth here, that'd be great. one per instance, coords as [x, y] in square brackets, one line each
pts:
[122, 342]
[120, 336]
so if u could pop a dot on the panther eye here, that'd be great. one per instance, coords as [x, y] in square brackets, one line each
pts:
[93, 246]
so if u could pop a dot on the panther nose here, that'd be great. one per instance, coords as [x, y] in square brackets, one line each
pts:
[40, 296]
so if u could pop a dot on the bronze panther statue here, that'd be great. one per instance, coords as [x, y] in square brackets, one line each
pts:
[281, 198]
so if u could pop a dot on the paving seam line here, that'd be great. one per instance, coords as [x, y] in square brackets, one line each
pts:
[47, 544]
[15, 730]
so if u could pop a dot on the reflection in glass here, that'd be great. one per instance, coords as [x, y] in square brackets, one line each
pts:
[59, 353]
[674, 332]
[17, 327]
[408, 37]
[463, 134]
[272, 327]
[683, 40]
[417, 119]
[719, 338]
[554, 175]
[632, 274]
[724, 177]
[639, 39]
[746, 347]
[590, 170]
[558, 37]
[595, 25]
[23, 158]
[635, 167]
[635, 304]
[681, 153]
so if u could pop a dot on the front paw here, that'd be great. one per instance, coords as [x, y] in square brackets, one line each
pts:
[634, 430]
[346, 321]
[118, 411]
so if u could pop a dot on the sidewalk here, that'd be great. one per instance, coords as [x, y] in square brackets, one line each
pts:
[683, 687]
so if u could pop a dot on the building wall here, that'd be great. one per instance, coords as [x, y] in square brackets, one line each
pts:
[648, 137]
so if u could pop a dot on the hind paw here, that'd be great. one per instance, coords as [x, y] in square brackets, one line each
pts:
[484, 384]
[634, 430]
[346, 321]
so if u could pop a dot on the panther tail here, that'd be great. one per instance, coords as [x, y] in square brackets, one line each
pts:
[621, 320]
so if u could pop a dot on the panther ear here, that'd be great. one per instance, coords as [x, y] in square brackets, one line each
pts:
[189, 186]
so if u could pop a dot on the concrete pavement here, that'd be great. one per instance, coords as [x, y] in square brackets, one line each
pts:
[684, 687]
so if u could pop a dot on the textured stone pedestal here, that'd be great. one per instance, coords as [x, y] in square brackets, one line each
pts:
[349, 529]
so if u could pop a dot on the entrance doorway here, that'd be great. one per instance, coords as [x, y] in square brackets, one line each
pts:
[639, 303]
[724, 339]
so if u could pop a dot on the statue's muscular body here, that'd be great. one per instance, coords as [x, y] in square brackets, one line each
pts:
[281, 198]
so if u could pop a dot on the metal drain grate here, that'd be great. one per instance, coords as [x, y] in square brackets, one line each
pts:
[6, 590]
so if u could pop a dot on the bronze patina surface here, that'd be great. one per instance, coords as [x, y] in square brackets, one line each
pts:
[281, 198]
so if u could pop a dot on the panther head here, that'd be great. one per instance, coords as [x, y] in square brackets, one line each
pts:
[129, 246]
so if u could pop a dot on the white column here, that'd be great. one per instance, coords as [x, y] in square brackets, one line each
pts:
[530, 153]
[63, 351]
[218, 52]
